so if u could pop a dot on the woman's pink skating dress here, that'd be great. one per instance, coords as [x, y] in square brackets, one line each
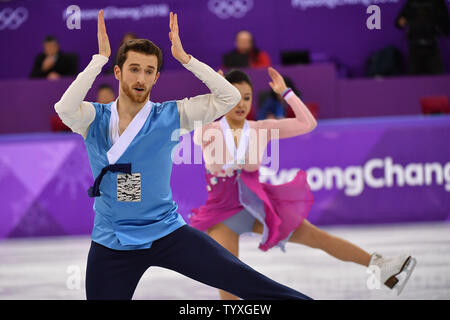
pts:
[232, 177]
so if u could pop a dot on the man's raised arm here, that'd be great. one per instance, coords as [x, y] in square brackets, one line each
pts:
[73, 111]
[205, 108]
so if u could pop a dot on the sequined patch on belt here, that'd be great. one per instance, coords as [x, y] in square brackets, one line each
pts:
[129, 187]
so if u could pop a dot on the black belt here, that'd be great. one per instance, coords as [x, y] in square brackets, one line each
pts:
[94, 191]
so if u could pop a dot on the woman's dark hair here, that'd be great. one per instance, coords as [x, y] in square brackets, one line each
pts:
[142, 46]
[238, 76]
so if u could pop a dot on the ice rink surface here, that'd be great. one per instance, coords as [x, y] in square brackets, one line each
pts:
[48, 268]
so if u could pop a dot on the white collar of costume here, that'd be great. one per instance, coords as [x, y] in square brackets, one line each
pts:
[239, 153]
[121, 143]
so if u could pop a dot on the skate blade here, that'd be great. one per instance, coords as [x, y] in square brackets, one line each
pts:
[394, 283]
[409, 268]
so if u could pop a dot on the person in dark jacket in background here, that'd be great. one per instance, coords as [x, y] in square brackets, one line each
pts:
[425, 21]
[246, 54]
[272, 105]
[52, 63]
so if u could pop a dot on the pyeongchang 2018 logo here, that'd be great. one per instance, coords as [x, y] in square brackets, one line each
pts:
[354, 179]
[225, 9]
[12, 18]
[332, 4]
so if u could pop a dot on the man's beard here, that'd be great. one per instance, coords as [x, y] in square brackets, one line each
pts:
[132, 94]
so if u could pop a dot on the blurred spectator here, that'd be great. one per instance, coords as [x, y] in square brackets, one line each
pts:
[57, 125]
[272, 105]
[105, 94]
[425, 21]
[126, 37]
[386, 62]
[246, 54]
[52, 63]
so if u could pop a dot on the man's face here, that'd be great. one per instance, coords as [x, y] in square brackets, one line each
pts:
[138, 75]
[51, 48]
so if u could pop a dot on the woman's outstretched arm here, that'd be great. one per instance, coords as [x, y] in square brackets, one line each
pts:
[303, 122]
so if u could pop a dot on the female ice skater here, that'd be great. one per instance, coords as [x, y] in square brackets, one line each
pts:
[129, 147]
[237, 202]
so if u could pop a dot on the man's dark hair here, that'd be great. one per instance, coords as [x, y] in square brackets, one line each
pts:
[50, 39]
[142, 46]
[238, 76]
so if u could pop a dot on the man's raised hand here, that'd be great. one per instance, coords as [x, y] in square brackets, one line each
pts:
[103, 42]
[177, 49]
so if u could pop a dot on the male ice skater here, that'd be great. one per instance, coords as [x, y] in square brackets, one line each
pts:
[129, 147]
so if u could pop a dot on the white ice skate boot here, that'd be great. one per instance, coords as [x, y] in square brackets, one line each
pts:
[389, 269]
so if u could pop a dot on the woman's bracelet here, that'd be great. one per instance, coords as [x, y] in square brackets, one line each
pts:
[286, 93]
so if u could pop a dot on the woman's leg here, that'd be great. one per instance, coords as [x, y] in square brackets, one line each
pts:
[311, 236]
[197, 256]
[228, 239]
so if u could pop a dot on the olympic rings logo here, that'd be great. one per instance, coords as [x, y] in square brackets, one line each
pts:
[12, 19]
[225, 9]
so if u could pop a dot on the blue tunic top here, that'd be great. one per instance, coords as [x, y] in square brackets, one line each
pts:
[128, 225]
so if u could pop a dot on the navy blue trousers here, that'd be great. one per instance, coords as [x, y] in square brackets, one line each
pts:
[114, 274]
